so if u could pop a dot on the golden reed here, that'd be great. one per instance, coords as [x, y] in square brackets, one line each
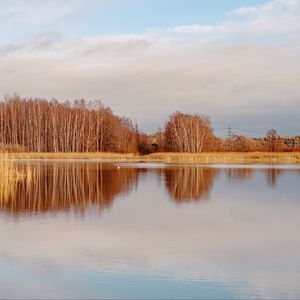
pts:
[168, 157]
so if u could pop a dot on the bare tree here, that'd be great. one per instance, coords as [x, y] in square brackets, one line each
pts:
[272, 140]
[41, 125]
[187, 133]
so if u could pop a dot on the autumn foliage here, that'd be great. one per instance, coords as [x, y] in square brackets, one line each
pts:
[188, 133]
[53, 126]
[39, 125]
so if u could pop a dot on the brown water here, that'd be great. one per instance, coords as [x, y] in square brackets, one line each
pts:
[91, 230]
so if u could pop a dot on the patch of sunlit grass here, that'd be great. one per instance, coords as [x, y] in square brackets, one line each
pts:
[227, 157]
[10, 175]
[74, 155]
[168, 157]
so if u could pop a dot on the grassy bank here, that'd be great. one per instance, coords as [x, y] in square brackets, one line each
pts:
[186, 158]
[73, 155]
[228, 158]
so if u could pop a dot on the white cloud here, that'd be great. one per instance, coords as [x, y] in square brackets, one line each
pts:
[197, 28]
[35, 12]
[245, 11]
[244, 68]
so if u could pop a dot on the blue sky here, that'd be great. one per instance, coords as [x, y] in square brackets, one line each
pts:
[139, 16]
[105, 17]
[235, 60]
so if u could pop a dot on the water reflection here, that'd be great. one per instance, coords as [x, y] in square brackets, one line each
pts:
[242, 243]
[273, 175]
[62, 186]
[189, 183]
[65, 186]
[239, 174]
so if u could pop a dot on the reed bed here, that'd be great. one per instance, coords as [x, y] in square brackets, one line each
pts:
[7, 168]
[227, 158]
[9, 176]
[74, 155]
[170, 158]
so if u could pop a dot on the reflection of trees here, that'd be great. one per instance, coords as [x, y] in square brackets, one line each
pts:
[192, 183]
[65, 186]
[189, 183]
[272, 176]
[239, 174]
[244, 174]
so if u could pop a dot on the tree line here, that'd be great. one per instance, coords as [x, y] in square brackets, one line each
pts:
[39, 125]
[53, 126]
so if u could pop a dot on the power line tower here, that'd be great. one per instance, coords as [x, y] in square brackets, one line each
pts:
[229, 137]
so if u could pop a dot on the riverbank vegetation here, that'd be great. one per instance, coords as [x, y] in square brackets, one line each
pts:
[169, 157]
[9, 176]
[39, 126]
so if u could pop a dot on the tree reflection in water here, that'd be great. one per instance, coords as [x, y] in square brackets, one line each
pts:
[272, 176]
[75, 186]
[189, 183]
[239, 174]
[65, 186]
[246, 174]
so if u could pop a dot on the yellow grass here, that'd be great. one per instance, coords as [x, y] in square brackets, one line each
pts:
[186, 158]
[7, 169]
[73, 155]
[9, 176]
[228, 158]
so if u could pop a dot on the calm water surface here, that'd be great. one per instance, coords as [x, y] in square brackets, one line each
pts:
[90, 230]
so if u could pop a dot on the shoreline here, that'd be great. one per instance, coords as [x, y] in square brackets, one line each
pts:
[208, 158]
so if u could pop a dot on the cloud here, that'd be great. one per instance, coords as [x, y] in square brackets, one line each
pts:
[241, 70]
[275, 18]
[197, 29]
[37, 43]
[36, 12]
[245, 11]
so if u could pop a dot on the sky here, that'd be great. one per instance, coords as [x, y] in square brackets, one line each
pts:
[236, 61]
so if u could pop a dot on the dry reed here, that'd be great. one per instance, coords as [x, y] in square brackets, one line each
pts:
[227, 158]
[172, 158]
[8, 176]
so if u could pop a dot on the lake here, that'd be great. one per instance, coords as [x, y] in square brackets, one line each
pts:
[92, 230]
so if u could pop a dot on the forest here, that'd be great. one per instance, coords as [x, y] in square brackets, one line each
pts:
[39, 125]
